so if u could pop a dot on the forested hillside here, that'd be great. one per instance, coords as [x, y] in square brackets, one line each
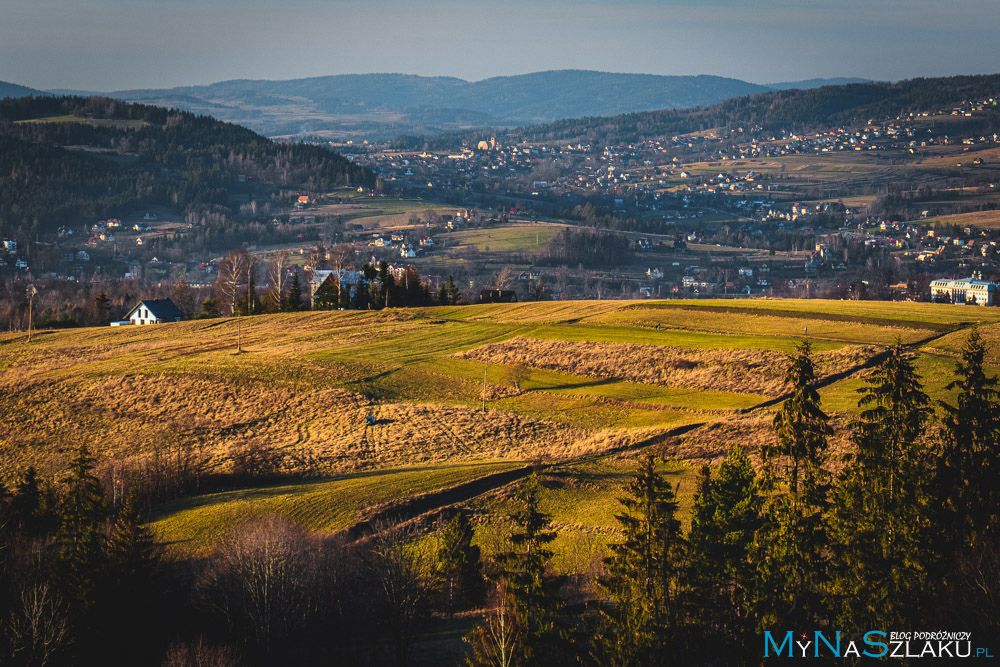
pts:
[794, 110]
[70, 159]
[8, 89]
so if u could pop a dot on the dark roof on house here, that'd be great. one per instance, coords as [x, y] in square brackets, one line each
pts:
[497, 296]
[161, 309]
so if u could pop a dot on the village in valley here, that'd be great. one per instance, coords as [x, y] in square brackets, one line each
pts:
[877, 211]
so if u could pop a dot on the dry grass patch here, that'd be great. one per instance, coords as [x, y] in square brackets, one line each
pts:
[734, 370]
[320, 430]
[711, 442]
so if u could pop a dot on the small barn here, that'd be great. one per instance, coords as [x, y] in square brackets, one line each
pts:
[155, 311]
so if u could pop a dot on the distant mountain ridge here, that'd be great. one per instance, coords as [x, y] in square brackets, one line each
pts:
[808, 84]
[17, 90]
[773, 111]
[386, 105]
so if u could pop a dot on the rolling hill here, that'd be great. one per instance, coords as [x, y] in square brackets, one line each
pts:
[385, 105]
[773, 111]
[67, 160]
[570, 383]
[16, 90]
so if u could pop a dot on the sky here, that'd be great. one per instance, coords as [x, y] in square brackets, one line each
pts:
[108, 45]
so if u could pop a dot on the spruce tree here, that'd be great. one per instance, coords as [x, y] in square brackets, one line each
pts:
[969, 463]
[79, 564]
[643, 577]
[967, 497]
[880, 519]
[458, 574]
[26, 504]
[129, 584]
[453, 292]
[727, 514]
[294, 301]
[79, 539]
[792, 547]
[802, 428]
[529, 599]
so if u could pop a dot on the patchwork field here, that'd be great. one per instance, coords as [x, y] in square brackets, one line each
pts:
[372, 407]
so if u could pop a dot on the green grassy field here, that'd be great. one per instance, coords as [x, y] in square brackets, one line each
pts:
[529, 238]
[194, 524]
[596, 376]
[582, 501]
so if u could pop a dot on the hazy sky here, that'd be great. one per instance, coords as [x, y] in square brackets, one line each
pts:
[120, 44]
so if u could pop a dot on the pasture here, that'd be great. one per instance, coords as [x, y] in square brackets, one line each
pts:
[367, 408]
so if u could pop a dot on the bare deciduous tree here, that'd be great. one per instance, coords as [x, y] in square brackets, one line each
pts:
[263, 580]
[503, 278]
[231, 281]
[402, 574]
[276, 278]
[38, 629]
[200, 654]
[494, 642]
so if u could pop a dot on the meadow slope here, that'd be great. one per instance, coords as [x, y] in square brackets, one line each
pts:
[564, 380]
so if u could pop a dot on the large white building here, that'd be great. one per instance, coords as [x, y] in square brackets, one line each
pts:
[964, 290]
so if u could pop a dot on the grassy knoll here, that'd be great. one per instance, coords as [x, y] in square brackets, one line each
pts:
[564, 380]
[880, 311]
[734, 320]
[529, 238]
[308, 380]
[194, 524]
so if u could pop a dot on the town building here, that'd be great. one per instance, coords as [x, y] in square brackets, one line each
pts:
[964, 290]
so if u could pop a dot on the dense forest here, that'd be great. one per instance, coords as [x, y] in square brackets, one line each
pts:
[100, 157]
[902, 533]
[792, 110]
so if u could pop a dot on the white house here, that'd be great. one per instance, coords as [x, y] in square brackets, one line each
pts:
[966, 290]
[154, 311]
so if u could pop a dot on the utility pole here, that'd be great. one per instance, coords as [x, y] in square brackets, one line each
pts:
[485, 370]
[239, 333]
[32, 291]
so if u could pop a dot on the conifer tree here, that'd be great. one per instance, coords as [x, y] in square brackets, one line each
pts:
[26, 504]
[879, 523]
[79, 539]
[643, 574]
[459, 569]
[452, 291]
[727, 514]
[802, 428]
[131, 551]
[967, 497]
[530, 595]
[792, 545]
[129, 584]
[294, 301]
[969, 465]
